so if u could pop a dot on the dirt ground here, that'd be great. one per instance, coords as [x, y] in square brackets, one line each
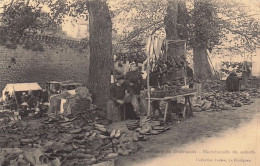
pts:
[202, 126]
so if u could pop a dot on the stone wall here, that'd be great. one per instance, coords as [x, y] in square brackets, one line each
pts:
[55, 63]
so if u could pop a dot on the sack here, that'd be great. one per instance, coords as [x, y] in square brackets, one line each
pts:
[113, 111]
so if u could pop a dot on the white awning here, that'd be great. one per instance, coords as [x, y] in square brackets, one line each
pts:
[20, 87]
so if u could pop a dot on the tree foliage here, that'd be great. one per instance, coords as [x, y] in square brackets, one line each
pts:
[183, 20]
[134, 20]
[215, 24]
[215, 20]
[19, 17]
[240, 25]
[206, 29]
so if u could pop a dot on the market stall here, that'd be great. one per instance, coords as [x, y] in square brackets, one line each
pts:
[168, 59]
[18, 88]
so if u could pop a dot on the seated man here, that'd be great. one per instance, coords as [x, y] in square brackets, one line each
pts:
[119, 98]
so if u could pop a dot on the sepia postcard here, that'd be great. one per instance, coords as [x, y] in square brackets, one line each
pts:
[130, 82]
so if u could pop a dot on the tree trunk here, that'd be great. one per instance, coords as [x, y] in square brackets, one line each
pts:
[182, 21]
[101, 59]
[170, 20]
[202, 68]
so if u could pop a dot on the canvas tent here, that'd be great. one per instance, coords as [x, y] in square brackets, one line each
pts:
[20, 87]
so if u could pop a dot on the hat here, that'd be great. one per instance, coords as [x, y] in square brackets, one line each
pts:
[120, 76]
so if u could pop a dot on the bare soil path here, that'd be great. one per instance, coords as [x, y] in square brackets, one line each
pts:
[223, 130]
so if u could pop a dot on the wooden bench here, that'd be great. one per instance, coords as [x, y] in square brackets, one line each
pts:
[170, 98]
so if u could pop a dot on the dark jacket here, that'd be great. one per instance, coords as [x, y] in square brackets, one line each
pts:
[136, 78]
[117, 92]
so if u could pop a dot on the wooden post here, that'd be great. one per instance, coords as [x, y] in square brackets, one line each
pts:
[185, 107]
[124, 112]
[185, 73]
[165, 112]
[148, 79]
[185, 65]
[189, 102]
[166, 49]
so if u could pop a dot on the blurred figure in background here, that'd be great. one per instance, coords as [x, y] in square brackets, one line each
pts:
[44, 96]
[32, 101]
[24, 97]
